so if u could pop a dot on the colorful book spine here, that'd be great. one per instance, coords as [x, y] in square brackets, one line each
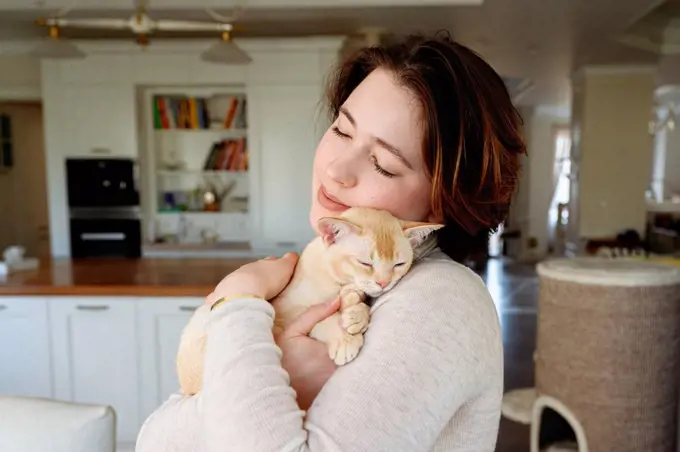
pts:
[177, 112]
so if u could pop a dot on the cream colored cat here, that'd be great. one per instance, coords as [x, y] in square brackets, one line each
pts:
[363, 252]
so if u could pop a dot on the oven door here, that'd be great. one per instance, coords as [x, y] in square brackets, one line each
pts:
[109, 237]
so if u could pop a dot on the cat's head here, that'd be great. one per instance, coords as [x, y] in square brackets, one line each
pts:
[370, 248]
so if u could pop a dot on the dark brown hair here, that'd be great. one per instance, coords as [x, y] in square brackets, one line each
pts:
[472, 131]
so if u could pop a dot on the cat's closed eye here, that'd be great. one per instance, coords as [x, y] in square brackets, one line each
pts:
[365, 264]
[399, 264]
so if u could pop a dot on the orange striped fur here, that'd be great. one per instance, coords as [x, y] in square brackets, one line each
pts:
[363, 252]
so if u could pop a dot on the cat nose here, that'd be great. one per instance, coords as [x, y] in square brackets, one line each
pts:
[382, 284]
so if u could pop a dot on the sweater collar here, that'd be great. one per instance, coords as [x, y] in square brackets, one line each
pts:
[426, 248]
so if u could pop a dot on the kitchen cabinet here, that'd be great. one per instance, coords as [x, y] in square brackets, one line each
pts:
[285, 147]
[161, 322]
[99, 123]
[96, 107]
[24, 347]
[117, 351]
[94, 343]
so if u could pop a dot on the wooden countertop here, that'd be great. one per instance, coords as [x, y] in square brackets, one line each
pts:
[113, 277]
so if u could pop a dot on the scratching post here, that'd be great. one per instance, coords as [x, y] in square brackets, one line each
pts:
[608, 355]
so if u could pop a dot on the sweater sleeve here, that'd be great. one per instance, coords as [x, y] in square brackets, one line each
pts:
[432, 346]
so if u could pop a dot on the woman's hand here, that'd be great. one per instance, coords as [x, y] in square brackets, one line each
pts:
[265, 279]
[305, 359]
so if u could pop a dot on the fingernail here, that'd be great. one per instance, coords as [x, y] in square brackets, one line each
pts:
[269, 258]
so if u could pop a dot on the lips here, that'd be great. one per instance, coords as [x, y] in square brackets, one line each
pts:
[329, 202]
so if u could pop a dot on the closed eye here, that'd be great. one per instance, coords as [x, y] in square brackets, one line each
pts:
[337, 131]
[366, 264]
[399, 264]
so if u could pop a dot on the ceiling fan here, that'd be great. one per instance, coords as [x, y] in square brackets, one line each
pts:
[143, 25]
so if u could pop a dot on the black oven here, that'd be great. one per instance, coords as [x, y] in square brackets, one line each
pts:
[97, 182]
[104, 211]
[113, 237]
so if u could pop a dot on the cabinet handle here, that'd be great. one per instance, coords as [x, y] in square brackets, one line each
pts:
[92, 307]
[188, 308]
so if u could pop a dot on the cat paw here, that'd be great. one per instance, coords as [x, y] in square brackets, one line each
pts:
[354, 319]
[346, 348]
[351, 298]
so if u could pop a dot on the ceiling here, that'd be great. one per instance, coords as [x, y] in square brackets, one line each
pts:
[541, 41]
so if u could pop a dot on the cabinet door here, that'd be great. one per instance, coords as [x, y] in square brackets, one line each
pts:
[161, 322]
[286, 132]
[101, 121]
[24, 347]
[94, 345]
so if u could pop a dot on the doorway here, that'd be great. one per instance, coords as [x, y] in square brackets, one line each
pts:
[23, 185]
[558, 214]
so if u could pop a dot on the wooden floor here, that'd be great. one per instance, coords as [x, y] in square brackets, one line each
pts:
[514, 288]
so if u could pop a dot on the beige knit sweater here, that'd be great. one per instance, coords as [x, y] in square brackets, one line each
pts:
[429, 378]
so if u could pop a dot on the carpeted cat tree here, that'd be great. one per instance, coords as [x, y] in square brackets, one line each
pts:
[607, 361]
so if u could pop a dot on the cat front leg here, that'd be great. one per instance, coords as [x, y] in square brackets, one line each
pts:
[342, 346]
[354, 313]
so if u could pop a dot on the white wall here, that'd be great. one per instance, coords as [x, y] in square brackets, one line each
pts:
[672, 163]
[615, 150]
[541, 149]
[666, 159]
[19, 78]
[90, 106]
[532, 202]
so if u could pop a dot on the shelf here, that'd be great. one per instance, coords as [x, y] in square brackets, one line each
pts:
[173, 173]
[663, 207]
[202, 212]
[225, 133]
[229, 246]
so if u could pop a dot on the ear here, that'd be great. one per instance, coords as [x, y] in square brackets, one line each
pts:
[332, 229]
[417, 232]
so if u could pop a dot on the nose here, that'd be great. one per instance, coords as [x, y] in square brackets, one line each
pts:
[340, 171]
[382, 283]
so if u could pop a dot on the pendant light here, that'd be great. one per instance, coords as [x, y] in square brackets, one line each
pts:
[225, 52]
[56, 48]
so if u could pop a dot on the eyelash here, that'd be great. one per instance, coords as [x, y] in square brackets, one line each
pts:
[374, 161]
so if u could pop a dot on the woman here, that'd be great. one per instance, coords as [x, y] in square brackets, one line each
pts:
[426, 130]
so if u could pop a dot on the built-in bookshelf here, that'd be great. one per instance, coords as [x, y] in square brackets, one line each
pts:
[196, 165]
[193, 112]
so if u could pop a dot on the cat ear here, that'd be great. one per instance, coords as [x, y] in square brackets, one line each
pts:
[417, 232]
[333, 229]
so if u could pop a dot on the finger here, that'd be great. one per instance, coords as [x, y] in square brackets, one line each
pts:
[290, 257]
[286, 265]
[306, 321]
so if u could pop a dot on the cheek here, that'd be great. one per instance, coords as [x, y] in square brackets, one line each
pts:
[398, 272]
[323, 153]
[407, 200]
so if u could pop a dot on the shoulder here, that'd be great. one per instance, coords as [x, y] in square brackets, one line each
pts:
[438, 284]
[448, 301]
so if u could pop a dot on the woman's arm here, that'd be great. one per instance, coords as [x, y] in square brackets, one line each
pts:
[176, 426]
[432, 346]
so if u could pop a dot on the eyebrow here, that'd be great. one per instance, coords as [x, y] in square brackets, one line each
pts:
[388, 147]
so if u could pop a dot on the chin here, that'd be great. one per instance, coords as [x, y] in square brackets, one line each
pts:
[314, 214]
[375, 292]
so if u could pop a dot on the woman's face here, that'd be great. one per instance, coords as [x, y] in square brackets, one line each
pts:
[371, 154]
